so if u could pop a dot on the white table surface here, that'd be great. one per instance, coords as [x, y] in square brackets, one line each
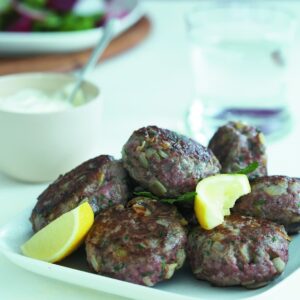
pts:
[151, 84]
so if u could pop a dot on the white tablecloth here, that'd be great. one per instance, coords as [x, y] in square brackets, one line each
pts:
[151, 84]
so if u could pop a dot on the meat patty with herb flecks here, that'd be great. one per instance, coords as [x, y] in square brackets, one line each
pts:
[236, 145]
[242, 251]
[276, 198]
[166, 163]
[101, 181]
[143, 243]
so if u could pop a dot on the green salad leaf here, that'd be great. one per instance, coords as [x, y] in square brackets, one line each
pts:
[35, 3]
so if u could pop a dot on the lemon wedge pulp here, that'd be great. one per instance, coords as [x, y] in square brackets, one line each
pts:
[60, 237]
[215, 195]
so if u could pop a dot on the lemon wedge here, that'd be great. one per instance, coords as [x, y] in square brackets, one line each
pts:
[62, 236]
[215, 195]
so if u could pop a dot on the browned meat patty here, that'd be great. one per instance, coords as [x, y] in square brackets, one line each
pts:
[236, 145]
[276, 198]
[166, 163]
[242, 251]
[143, 243]
[102, 181]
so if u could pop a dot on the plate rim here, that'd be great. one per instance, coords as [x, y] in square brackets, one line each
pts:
[37, 266]
[107, 285]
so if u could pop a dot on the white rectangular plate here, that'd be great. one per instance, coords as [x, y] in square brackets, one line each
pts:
[181, 287]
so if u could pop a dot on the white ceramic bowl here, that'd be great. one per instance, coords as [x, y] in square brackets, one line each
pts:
[38, 147]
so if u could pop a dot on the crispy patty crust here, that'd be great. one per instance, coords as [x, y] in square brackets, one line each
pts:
[102, 181]
[236, 145]
[276, 198]
[143, 243]
[242, 251]
[166, 163]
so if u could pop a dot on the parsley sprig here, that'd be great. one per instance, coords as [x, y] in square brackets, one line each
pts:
[189, 196]
[247, 170]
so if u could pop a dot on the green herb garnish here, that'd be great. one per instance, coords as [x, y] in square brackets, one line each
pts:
[161, 234]
[189, 196]
[146, 194]
[260, 202]
[141, 246]
[210, 242]
[119, 267]
[163, 264]
[254, 239]
[249, 169]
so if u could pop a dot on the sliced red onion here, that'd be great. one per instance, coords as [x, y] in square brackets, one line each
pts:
[61, 5]
[29, 12]
[101, 22]
[22, 24]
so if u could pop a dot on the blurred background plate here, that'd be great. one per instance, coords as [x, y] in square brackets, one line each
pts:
[66, 61]
[13, 43]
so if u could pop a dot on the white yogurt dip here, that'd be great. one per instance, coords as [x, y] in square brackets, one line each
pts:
[38, 101]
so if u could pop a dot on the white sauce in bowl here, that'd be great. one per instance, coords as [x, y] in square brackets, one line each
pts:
[38, 101]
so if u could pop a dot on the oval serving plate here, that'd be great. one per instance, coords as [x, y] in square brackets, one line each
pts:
[182, 286]
[13, 43]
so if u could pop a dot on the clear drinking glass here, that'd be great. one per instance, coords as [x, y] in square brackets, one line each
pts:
[240, 55]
